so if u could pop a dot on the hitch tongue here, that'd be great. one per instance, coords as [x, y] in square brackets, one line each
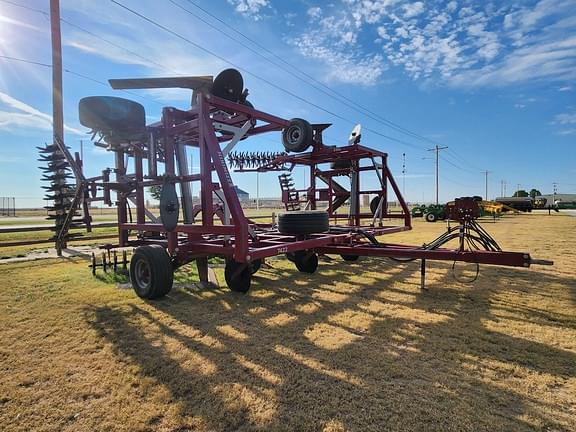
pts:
[541, 262]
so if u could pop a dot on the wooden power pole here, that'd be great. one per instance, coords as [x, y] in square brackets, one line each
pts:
[437, 150]
[57, 103]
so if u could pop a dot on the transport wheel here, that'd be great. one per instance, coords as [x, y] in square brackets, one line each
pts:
[110, 113]
[255, 265]
[350, 258]
[430, 217]
[374, 204]
[151, 272]
[303, 222]
[238, 276]
[298, 136]
[306, 261]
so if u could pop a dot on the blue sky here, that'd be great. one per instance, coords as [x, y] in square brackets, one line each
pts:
[495, 81]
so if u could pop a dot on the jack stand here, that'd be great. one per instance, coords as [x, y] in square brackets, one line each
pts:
[423, 275]
[206, 274]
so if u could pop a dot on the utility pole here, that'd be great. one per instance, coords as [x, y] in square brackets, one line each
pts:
[57, 105]
[486, 184]
[437, 150]
[404, 175]
[57, 109]
[555, 187]
[257, 190]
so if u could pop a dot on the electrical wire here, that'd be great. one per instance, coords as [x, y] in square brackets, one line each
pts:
[333, 93]
[258, 77]
[77, 74]
[313, 82]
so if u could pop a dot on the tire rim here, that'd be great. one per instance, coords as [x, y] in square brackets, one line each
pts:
[294, 134]
[143, 275]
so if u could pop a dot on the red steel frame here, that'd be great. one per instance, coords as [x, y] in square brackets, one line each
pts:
[240, 239]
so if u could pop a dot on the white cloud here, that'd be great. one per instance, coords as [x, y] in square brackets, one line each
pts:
[463, 44]
[12, 21]
[342, 66]
[565, 119]
[249, 8]
[565, 89]
[314, 12]
[519, 106]
[11, 159]
[26, 116]
[413, 9]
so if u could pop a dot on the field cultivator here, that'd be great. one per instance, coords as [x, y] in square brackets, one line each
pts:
[324, 218]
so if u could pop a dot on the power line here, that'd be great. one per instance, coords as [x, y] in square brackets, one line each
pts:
[317, 84]
[353, 104]
[370, 114]
[270, 83]
[77, 74]
[25, 61]
[71, 24]
[457, 166]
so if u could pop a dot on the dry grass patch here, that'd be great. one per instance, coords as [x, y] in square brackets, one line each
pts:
[356, 346]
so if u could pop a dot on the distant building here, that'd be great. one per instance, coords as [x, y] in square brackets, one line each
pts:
[562, 199]
[242, 195]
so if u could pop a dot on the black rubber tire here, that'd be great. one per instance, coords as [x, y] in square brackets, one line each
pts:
[303, 222]
[298, 136]
[374, 205]
[431, 217]
[112, 114]
[306, 261]
[154, 260]
[255, 265]
[238, 276]
[350, 258]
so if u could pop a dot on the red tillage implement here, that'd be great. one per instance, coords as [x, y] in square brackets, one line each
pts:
[219, 118]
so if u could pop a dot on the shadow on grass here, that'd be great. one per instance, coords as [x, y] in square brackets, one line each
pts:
[304, 352]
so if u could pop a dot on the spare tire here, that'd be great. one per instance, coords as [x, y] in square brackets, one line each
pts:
[298, 136]
[303, 222]
[112, 114]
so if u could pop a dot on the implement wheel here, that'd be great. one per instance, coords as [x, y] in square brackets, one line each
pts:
[255, 265]
[303, 222]
[298, 136]
[306, 261]
[151, 272]
[238, 276]
[431, 217]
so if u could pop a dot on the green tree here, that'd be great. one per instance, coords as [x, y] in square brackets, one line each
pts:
[535, 192]
[155, 192]
[520, 193]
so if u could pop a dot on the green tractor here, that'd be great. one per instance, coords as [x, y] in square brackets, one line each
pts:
[431, 213]
[434, 212]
